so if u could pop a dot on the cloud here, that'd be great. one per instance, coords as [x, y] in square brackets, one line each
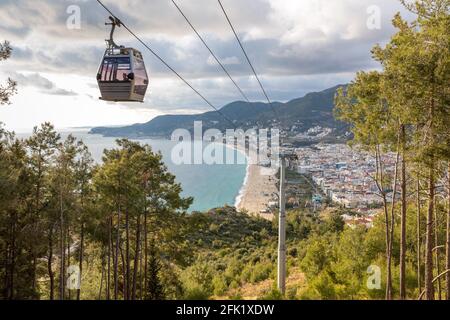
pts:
[37, 81]
[295, 46]
[62, 92]
[225, 61]
[281, 37]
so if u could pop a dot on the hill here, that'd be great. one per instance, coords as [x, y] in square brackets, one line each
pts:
[298, 115]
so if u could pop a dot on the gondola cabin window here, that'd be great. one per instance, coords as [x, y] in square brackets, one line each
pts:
[140, 77]
[116, 69]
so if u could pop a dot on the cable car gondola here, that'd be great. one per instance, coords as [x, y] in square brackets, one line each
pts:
[122, 76]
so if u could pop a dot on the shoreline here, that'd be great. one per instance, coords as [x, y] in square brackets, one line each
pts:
[241, 193]
[258, 187]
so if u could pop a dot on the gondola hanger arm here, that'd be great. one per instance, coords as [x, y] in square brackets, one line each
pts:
[114, 22]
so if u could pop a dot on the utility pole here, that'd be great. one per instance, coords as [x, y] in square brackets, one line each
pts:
[282, 230]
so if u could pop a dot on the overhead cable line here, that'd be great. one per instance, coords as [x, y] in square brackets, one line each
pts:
[281, 263]
[247, 57]
[212, 53]
[166, 64]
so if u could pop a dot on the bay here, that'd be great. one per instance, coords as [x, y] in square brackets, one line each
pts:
[211, 186]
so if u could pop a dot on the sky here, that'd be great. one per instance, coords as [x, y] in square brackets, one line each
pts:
[296, 46]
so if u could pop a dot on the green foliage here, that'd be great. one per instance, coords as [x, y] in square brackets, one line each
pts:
[196, 293]
[155, 289]
[225, 228]
[199, 256]
[321, 287]
[317, 258]
[8, 90]
[404, 108]
[220, 285]
[273, 295]
[334, 222]
[55, 201]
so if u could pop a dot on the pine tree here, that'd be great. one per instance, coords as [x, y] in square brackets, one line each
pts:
[14, 192]
[6, 91]
[413, 93]
[84, 215]
[155, 289]
[363, 104]
[133, 184]
[42, 147]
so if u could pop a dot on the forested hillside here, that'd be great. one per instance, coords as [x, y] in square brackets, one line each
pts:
[123, 224]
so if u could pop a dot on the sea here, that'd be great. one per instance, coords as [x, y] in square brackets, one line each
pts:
[211, 186]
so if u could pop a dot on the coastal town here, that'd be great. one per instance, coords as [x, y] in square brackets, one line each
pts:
[344, 175]
[322, 175]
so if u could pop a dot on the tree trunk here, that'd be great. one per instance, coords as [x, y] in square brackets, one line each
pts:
[68, 257]
[108, 279]
[403, 219]
[429, 287]
[394, 194]
[12, 258]
[122, 256]
[388, 253]
[33, 270]
[141, 273]
[419, 238]
[81, 258]
[127, 256]
[62, 252]
[35, 218]
[447, 244]
[137, 250]
[102, 277]
[437, 250]
[430, 135]
[145, 251]
[12, 266]
[380, 184]
[6, 288]
[116, 260]
[51, 275]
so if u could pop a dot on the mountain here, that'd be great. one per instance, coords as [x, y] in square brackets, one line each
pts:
[298, 115]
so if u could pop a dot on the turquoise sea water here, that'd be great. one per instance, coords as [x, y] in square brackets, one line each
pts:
[210, 185]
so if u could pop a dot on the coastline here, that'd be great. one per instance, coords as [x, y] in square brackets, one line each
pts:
[241, 193]
[258, 187]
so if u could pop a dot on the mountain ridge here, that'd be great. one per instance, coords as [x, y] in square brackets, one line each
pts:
[300, 114]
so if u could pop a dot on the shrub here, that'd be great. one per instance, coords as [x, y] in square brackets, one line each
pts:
[261, 272]
[274, 294]
[219, 285]
[196, 293]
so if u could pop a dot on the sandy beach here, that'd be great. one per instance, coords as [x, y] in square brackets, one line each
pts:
[258, 188]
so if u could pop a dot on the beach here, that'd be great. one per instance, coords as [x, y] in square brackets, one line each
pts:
[258, 188]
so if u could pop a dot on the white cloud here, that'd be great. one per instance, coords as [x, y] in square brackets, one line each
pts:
[38, 81]
[296, 46]
[225, 61]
